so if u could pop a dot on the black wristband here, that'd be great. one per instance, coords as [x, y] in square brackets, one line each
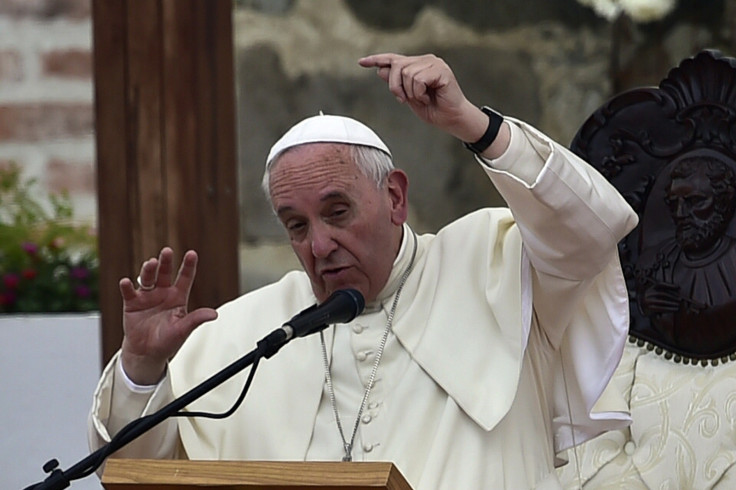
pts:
[494, 124]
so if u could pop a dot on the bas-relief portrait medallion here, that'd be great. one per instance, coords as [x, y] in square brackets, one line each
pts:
[671, 152]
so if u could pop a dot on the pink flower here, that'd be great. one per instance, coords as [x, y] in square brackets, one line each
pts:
[57, 243]
[30, 248]
[11, 280]
[82, 291]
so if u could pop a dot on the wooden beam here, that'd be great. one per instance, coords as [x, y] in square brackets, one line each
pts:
[166, 151]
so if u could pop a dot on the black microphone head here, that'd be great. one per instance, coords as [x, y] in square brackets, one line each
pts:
[354, 303]
[341, 307]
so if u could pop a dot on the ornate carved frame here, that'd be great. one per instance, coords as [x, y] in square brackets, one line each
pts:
[633, 139]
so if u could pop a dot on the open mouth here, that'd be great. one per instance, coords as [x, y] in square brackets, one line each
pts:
[335, 271]
[334, 274]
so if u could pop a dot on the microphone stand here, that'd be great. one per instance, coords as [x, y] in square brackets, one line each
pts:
[58, 479]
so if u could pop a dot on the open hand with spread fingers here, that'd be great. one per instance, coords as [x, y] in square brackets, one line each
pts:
[156, 320]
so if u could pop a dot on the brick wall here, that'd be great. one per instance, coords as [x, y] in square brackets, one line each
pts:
[46, 96]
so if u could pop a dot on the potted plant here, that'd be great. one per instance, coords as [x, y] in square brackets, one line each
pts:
[47, 262]
[50, 347]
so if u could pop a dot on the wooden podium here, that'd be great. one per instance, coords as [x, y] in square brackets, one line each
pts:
[155, 474]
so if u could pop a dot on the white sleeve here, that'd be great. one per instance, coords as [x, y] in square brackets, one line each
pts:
[571, 220]
[521, 159]
[117, 402]
[570, 217]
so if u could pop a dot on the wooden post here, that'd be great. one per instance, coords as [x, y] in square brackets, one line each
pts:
[166, 150]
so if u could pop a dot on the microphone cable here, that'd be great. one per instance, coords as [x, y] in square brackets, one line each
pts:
[238, 402]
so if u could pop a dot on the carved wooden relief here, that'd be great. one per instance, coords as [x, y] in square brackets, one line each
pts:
[671, 152]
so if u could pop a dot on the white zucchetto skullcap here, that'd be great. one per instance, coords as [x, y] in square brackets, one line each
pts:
[327, 129]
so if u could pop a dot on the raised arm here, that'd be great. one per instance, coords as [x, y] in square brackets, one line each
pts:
[551, 207]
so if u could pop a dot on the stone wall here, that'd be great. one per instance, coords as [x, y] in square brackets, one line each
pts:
[549, 63]
[46, 97]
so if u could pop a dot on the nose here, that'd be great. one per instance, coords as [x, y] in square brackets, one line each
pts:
[323, 241]
[681, 208]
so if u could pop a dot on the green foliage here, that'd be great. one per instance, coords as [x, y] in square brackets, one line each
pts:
[47, 263]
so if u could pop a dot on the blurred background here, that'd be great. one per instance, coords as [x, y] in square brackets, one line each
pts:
[550, 63]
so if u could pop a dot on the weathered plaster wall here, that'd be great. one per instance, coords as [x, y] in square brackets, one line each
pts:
[549, 63]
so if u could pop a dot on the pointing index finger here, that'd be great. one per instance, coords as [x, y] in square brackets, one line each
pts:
[378, 60]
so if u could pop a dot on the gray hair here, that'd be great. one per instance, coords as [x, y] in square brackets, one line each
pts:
[372, 163]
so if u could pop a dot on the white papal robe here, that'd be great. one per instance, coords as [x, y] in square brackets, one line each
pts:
[505, 336]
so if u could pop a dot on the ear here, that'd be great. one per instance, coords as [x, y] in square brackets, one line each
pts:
[397, 184]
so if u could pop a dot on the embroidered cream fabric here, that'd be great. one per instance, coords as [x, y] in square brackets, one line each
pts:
[683, 434]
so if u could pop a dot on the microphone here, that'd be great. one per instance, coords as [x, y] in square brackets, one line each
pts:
[341, 307]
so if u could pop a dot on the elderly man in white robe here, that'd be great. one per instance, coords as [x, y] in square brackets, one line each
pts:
[483, 350]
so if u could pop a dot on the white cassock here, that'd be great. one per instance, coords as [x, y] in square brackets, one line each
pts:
[505, 336]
